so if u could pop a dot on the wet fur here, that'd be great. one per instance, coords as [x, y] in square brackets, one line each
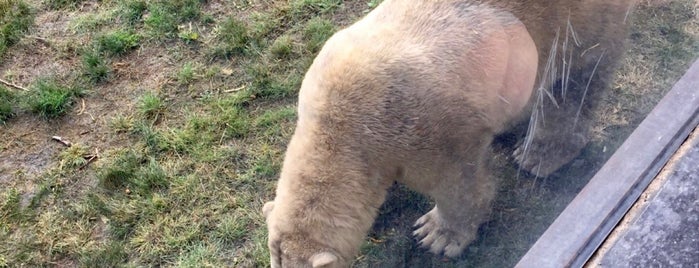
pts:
[401, 96]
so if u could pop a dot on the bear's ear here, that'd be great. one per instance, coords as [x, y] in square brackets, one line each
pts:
[323, 260]
[267, 208]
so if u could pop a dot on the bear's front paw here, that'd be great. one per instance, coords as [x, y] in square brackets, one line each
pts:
[435, 234]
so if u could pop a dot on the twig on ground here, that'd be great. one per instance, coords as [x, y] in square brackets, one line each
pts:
[41, 39]
[82, 107]
[62, 141]
[235, 89]
[90, 158]
[10, 84]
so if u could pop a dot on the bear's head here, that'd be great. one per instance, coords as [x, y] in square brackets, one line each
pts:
[289, 247]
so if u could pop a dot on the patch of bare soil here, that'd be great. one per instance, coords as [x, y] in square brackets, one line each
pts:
[349, 12]
[27, 149]
[28, 145]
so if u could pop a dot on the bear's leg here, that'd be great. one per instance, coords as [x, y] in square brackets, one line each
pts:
[559, 130]
[463, 201]
[555, 136]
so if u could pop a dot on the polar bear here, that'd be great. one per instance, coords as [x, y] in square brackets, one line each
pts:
[414, 92]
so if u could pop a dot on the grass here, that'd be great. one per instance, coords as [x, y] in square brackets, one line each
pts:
[233, 37]
[106, 255]
[62, 4]
[92, 22]
[15, 19]
[316, 32]
[373, 3]
[300, 9]
[232, 116]
[133, 172]
[283, 47]
[96, 58]
[150, 105]
[10, 209]
[132, 11]
[187, 74]
[94, 66]
[6, 102]
[49, 98]
[166, 16]
[190, 108]
[117, 42]
[73, 157]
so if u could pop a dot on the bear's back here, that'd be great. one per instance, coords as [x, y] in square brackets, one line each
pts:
[405, 78]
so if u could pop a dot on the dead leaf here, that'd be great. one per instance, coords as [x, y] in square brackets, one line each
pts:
[227, 71]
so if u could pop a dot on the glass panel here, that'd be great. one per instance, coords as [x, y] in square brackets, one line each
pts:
[661, 45]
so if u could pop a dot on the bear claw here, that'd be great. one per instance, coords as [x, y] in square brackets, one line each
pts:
[437, 237]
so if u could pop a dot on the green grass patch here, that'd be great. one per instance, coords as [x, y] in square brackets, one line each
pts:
[15, 19]
[232, 229]
[188, 35]
[186, 74]
[374, 3]
[122, 124]
[10, 209]
[302, 8]
[233, 117]
[275, 124]
[61, 4]
[233, 38]
[154, 140]
[274, 117]
[92, 22]
[316, 32]
[268, 83]
[283, 47]
[131, 11]
[120, 169]
[165, 16]
[117, 42]
[109, 254]
[671, 39]
[51, 99]
[95, 66]
[196, 137]
[7, 99]
[201, 254]
[132, 172]
[262, 164]
[150, 105]
[73, 156]
[167, 233]
[262, 25]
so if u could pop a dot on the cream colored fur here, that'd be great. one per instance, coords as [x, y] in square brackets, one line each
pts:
[414, 92]
[385, 101]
